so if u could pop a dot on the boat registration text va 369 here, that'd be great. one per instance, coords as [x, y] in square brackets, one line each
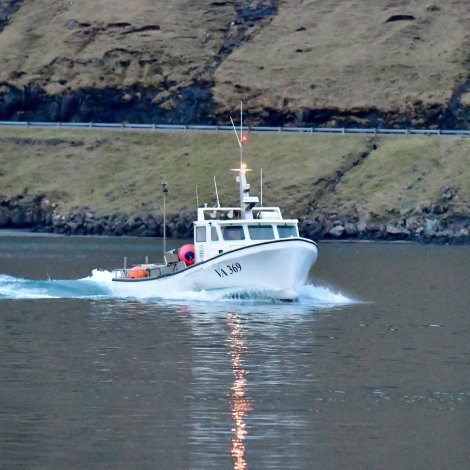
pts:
[243, 248]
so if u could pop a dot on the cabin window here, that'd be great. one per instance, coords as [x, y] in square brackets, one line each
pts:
[233, 232]
[286, 231]
[214, 234]
[261, 232]
[200, 234]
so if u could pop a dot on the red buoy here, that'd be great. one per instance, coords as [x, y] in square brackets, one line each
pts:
[187, 254]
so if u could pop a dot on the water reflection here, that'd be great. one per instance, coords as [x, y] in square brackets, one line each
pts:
[240, 403]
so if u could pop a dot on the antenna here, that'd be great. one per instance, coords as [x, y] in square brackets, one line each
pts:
[165, 191]
[239, 139]
[216, 192]
[235, 130]
[261, 195]
[197, 198]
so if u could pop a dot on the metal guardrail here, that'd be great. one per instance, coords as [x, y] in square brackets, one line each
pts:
[257, 129]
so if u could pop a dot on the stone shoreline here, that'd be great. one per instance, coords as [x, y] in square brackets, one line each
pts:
[425, 225]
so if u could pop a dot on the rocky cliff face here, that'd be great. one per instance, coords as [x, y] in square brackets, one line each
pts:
[310, 62]
[38, 213]
[434, 224]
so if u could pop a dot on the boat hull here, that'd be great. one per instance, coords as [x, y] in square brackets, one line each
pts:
[275, 268]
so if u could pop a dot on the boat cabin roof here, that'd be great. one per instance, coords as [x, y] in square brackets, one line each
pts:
[235, 214]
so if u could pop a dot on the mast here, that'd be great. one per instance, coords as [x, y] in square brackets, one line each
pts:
[247, 202]
[165, 191]
[241, 134]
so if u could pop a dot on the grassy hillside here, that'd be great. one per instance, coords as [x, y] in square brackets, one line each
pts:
[403, 174]
[64, 45]
[122, 171]
[300, 61]
[353, 55]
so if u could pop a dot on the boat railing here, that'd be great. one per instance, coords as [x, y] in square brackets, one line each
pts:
[152, 270]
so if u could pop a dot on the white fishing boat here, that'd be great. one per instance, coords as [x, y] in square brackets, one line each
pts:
[243, 248]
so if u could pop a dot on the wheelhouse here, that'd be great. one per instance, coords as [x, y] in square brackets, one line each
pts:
[219, 230]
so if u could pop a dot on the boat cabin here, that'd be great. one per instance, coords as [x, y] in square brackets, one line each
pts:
[218, 230]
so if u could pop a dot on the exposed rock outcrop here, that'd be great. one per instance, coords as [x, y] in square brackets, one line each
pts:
[194, 104]
[7, 9]
[39, 214]
[435, 224]
[445, 221]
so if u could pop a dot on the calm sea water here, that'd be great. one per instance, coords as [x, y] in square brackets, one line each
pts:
[369, 370]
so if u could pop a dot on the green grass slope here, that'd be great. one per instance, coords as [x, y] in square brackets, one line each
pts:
[121, 172]
[321, 53]
[69, 45]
